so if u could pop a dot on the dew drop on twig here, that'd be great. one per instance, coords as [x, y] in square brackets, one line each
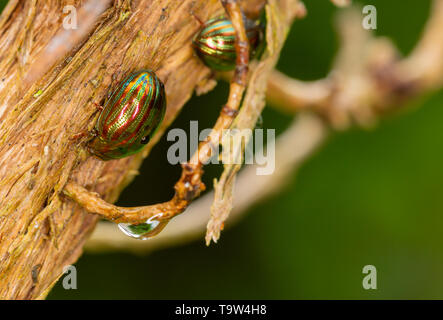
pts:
[145, 230]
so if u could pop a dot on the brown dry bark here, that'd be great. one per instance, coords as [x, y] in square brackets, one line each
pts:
[44, 102]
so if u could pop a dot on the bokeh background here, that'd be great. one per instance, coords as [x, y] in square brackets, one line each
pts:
[366, 197]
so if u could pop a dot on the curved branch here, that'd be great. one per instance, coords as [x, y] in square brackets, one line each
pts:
[293, 147]
[291, 95]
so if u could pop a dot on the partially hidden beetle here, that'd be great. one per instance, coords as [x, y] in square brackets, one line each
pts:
[130, 116]
[214, 44]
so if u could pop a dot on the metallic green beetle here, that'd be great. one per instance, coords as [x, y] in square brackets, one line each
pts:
[215, 43]
[130, 116]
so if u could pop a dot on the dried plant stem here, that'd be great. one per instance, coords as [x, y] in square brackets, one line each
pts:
[279, 18]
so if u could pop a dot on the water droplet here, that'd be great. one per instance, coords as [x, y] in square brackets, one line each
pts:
[145, 230]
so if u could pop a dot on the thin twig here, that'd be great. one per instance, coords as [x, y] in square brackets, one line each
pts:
[341, 3]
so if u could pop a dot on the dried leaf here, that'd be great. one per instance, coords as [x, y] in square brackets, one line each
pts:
[279, 16]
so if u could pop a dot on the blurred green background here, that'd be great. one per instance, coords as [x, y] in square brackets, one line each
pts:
[367, 197]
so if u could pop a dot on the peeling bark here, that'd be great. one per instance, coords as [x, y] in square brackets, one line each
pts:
[41, 231]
